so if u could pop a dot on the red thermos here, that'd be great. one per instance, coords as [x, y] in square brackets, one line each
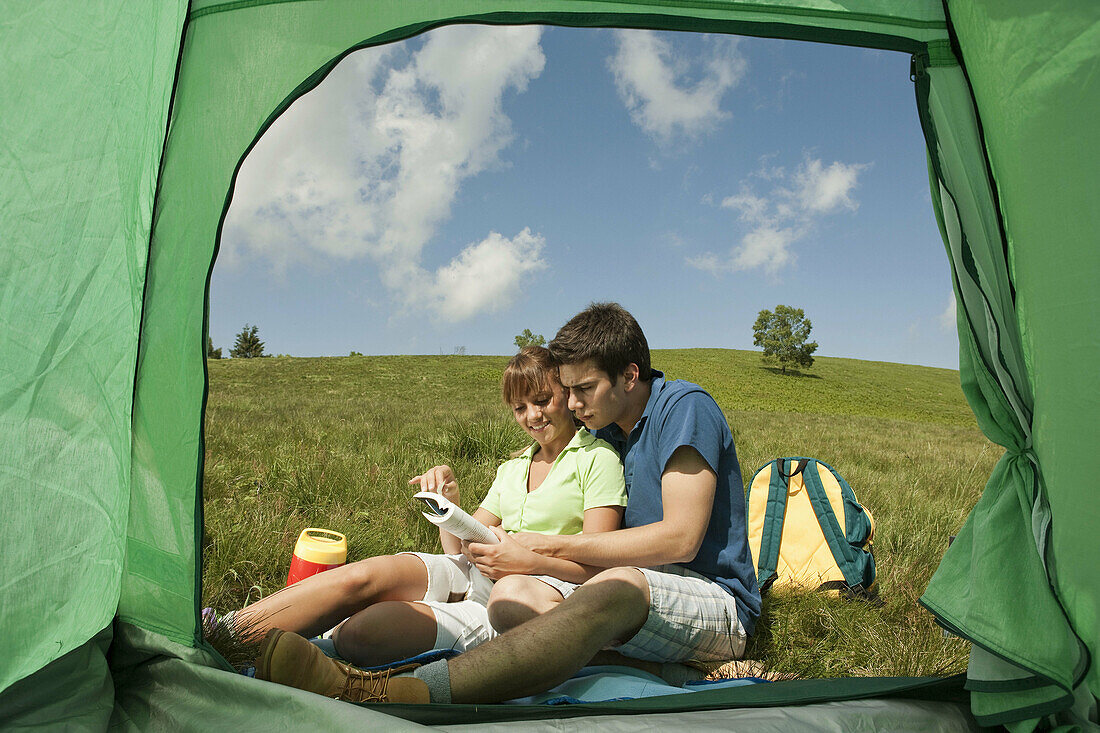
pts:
[317, 550]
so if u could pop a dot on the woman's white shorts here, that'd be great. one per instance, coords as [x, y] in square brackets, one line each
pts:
[460, 625]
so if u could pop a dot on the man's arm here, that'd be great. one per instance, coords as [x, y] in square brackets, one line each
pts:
[687, 496]
[511, 558]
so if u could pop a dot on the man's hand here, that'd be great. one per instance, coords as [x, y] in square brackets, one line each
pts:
[687, 495]
[540, 544]
[508, 557]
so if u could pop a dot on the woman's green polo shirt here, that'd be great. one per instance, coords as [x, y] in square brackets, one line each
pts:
[587, 474]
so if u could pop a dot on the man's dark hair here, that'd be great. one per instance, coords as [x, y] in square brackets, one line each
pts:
[608, 335]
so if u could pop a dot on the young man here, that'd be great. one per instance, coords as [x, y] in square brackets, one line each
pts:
[680, 583]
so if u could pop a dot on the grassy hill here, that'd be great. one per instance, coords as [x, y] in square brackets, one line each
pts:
[331, 442]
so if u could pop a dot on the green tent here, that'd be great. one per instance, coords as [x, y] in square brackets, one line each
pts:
[122, 126]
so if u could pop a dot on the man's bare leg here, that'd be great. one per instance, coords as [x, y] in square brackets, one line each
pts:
[548, 649]
[516, 599]
[316, 604]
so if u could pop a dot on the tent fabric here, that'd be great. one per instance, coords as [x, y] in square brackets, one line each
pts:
[162, 685]
[893, 715]
[75, 692]
[84, 96]
[1011, 620]
[124, 124]
[1028, 662]
[1044, 174]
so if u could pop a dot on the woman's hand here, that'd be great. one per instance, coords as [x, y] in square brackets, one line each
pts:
[508, 557]
[438, 480]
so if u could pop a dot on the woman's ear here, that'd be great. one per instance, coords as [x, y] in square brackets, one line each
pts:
[630, 376]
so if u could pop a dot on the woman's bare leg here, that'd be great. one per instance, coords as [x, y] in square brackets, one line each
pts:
[516, 599]
[319, 602]
[386, 632]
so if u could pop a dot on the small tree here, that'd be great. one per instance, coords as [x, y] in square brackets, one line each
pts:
[211, 352]
[248, 344]
[783, 335]
[530, 339]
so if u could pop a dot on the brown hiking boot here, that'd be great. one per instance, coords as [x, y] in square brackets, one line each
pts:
[291, 660]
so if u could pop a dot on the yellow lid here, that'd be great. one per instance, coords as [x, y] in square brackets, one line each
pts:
[322, 546]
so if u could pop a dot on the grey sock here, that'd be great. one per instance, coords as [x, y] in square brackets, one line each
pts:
[437, 676]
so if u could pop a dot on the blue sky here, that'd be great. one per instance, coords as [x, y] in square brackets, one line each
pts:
[454, 189]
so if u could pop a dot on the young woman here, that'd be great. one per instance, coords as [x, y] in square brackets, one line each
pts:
[398, 606]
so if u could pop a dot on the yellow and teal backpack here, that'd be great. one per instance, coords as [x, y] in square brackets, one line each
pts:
[807, 530]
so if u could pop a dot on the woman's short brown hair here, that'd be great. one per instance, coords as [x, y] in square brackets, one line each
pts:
[530, 372]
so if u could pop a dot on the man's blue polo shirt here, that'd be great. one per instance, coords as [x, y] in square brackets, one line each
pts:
[680, 413]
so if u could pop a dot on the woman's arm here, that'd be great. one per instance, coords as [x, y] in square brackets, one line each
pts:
[602, 519]
[510, 558]
[441, 480]
[453, 545]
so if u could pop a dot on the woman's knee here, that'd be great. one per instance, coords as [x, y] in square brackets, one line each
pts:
[389, 577]
[516, 599]
[355, 580]
[625, 577]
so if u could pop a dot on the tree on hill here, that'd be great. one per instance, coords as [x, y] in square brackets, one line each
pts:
[211, 352]
[783, 336]
[530, 339]
[248, 344]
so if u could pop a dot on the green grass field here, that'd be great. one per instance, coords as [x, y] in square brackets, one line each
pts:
[331, 442]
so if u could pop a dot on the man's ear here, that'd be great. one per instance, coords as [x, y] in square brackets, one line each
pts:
[630, 376]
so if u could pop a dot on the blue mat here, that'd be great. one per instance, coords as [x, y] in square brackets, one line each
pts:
[605, 683]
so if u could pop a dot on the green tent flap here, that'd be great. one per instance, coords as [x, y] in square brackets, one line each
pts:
[123, 126]
[84, 96]
[1027, 636]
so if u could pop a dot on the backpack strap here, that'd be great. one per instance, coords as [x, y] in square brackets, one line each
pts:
[830, 528]
[799, 468]
[772, 532]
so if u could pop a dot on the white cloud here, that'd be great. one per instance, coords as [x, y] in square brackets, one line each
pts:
[709, 262]
[784, 215]
[824, 189]
[487, 276]
[669, 94]
[947, 318]
[767, 171]
[753, 209]
[765, 247]
[369, 164]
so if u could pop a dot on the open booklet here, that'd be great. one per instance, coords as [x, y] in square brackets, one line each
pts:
[449, 516]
